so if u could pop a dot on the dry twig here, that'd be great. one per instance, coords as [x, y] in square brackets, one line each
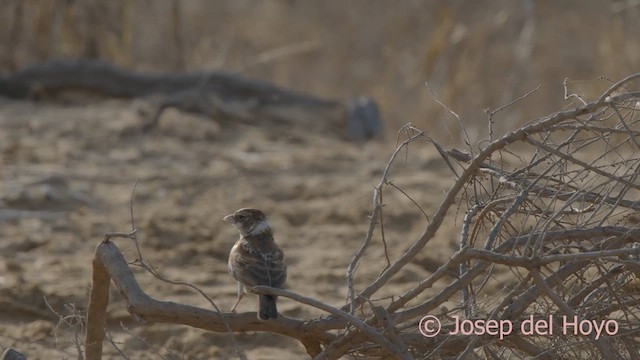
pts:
[564, 211]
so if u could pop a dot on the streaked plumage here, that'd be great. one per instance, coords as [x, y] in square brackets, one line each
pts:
[256, 259]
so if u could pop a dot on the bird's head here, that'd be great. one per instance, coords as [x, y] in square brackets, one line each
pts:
[249, 222]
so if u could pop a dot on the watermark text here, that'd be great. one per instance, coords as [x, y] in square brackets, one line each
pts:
[431, 326]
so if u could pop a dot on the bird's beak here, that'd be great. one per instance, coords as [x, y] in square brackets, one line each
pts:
[229, 218]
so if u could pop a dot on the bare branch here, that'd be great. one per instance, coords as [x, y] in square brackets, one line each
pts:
[377, 208]
[569, 209]
[110, 265]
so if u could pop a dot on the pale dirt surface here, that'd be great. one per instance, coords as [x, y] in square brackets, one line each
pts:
[67, 175]
[67, 169]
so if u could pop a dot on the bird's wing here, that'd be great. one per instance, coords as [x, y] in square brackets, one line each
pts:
[260, 268]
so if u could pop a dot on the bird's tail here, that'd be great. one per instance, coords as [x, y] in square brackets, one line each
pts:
[267, 309]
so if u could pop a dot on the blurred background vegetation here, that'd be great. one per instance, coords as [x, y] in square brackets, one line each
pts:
[475, 54]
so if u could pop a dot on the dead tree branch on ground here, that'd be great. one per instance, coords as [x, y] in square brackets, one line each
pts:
[217, 94]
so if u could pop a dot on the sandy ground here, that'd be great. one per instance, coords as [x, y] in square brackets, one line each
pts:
[67, 174]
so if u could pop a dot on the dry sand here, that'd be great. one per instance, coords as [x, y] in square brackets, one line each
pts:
[67, 174]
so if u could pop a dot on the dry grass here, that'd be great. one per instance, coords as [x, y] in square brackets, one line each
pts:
[474, 55]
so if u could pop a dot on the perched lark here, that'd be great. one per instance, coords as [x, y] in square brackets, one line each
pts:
[256, 259]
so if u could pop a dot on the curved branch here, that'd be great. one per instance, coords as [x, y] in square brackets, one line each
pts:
[110, 264]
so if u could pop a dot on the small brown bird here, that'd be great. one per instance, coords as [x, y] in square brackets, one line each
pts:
[256, 259]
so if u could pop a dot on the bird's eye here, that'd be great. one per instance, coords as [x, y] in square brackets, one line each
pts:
[241, 216]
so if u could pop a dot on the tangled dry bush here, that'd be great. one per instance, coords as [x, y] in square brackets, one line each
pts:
[551, 204]
[554, 203]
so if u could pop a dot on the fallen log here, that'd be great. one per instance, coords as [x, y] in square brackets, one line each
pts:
[11, 354]
[216, 94]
